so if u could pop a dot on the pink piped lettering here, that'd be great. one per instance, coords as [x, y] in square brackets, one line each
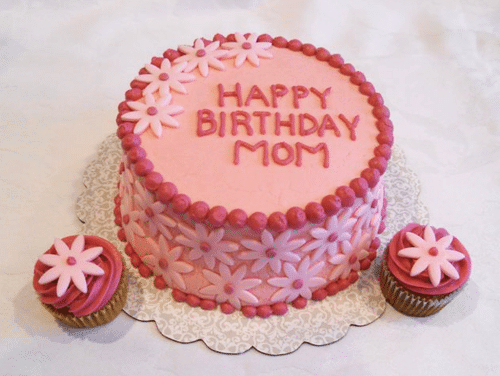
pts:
[313, 150]
[262, 120]
[205, 116]
[321, 95]
[283, 123]
[302, 127]
[241, 118]
[265, 153]
[256, 93]
[277, 91]
[222, 128]
[350, 125]
[224, 94]
[290, 155]
[299, 92]
[328, 123]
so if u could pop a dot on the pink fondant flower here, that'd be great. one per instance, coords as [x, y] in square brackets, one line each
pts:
[232, 288]
[129, 219]
[70, 264]
[432, 255]
[126, 179]
[166, 78]
[206, 245]
[164, 261]
[338, 228]
[247, 49]
[270, 251]
[153, 113]
[350, 256]
[369, 212]
[300, 281]
[201, 56]
[151, 213]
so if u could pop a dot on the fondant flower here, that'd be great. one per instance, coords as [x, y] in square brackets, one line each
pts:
[270, 251]
[338, 229]
[153, 113]
[70, 264]
[432, 255]
[126, 179]
[208, 245]
[300, 281]
[202, 56]
[151, 213]
[165, 262]
[232, 288]
[129, 219]
[166, 78]
[247, 49]
[369, 213]
[350, 256]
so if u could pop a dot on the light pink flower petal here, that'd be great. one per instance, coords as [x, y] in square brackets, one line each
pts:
[452, 255]
[78, 279]
[420, 265]
[434, 271]
[49, 259]
[90, 254]
[248, 297]
[61, 247]
[141, 125]
[412, 252]
[50, 275]
[91, 268]
[62, 284]
[449, 270]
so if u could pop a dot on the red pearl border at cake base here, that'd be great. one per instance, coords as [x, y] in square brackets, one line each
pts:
[319, 323]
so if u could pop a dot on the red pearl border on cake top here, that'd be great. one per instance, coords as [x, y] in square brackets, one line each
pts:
[294, 218]
[167, 193]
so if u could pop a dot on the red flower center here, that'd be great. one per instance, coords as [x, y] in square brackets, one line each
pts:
[152, 111]
[353, 259]
[271, 252]
[163, 263]
[126, 219]
[333, 236]
[149, 212]
[246, 45]
[228, 288]
[205, 247]
[163, 76]
[71, 260]
[297, 284]
[433, 251]
[201, 53]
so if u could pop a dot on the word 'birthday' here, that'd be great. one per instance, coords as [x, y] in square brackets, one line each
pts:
[261, 122]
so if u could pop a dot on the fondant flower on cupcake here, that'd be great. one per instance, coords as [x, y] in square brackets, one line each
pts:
[337, 230]
[270, 251]
[232, 288]
[431, 255]
[202, 56]
[165, 262]
[298, 282]
[165, 78]
[153, 113]
[350, 256]
[247, 49]
[151, 213]
[70, 264]
[206, 245]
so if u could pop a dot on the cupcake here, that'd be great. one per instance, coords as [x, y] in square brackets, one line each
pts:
[81, 281]
[423, 270]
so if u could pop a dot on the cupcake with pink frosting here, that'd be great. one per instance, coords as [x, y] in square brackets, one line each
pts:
[423, 269]
[81, 281]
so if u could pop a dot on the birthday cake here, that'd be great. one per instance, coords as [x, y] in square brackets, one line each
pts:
[252, 173]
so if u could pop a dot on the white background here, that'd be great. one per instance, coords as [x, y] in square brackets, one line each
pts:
[64, 67]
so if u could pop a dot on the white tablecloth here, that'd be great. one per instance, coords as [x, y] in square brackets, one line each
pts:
[64, 66]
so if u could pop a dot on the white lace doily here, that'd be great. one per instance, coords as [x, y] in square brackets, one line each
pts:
[320, 323]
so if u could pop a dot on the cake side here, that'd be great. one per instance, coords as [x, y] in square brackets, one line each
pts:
[305, 246]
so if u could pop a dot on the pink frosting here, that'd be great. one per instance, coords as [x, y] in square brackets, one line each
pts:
[100, 289]
[401, 266]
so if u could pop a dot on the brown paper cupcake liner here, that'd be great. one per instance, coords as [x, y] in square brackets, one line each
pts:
[407, 302]
[101, 317]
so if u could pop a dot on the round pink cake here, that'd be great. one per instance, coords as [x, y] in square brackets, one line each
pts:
[252, 174]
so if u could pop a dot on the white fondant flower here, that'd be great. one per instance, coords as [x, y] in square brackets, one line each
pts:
[70, 264]
[300, 281]
[151, 213]
[210, 246]
[166, 78]
[165, 262]
[338, 228]
[270, 251]
[129, 220]
[432, 254]
[247, 49]
[153, 113]
[350, 256]
[232, 288]
[201, 56]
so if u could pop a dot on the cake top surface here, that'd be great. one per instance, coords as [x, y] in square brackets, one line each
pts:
[245, 123]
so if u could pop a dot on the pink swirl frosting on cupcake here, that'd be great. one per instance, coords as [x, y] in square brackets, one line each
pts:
[413, 270]
[100, 288]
